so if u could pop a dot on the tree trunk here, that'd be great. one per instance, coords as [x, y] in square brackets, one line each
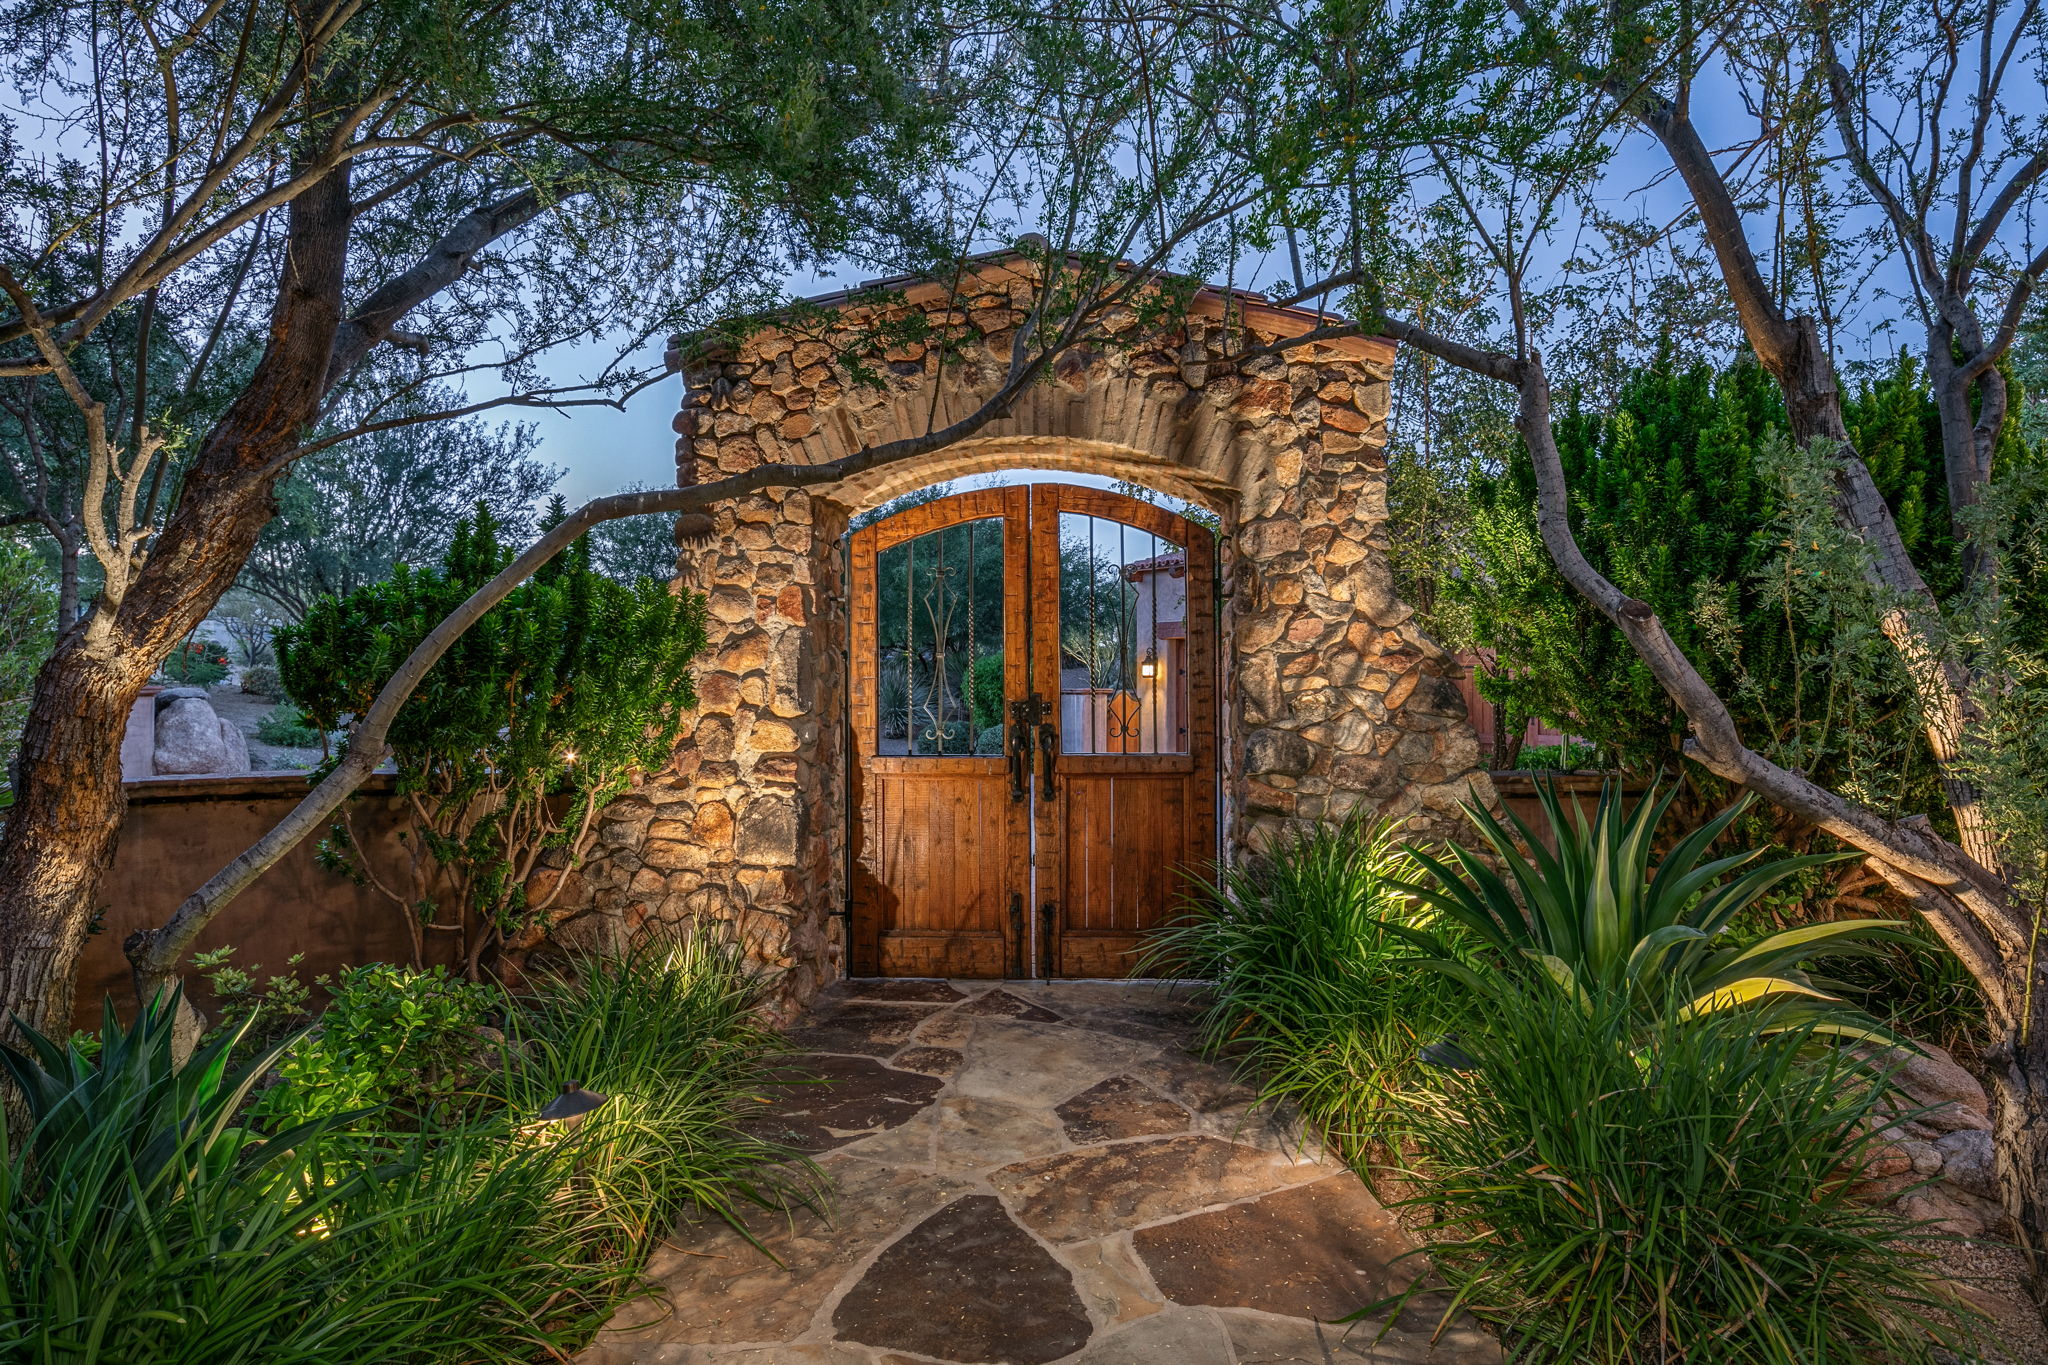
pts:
[67, 796]
[61, 832]
[1510, 729]
[2016, 1074]
[67, 583]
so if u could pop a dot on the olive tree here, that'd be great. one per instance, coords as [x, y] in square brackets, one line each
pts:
[1895, 160]
[312, 214]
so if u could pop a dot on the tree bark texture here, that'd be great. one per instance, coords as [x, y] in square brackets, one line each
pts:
[68, 801]
[2016, 1071]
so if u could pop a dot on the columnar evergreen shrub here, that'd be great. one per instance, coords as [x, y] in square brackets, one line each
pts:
[1686, 495]
[539, 716]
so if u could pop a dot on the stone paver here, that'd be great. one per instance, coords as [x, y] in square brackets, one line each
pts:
[1031, 1173]
[1121, 1107]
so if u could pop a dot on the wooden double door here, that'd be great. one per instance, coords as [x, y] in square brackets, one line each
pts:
[1033, 708]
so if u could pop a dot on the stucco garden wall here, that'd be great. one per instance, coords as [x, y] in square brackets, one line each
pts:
[1333, 699]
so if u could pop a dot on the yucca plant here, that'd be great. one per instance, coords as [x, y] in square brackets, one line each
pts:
[1603, 915]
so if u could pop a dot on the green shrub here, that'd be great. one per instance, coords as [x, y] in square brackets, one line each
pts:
[287, 727]
[261, 680]
[196, 663]
[392, 1036]
[1608, 1195]
[265, 1010]
[145, 1222]
[985, 691]
[538, 716]
[1569, 756]
[1320, 1001]
[154, 1219]
[1596, 915]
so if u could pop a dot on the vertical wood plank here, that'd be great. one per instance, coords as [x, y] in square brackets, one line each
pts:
[939, 848]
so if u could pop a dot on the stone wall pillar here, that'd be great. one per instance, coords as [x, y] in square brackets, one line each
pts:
[1343, 706]
[752, 835]
[746, 825]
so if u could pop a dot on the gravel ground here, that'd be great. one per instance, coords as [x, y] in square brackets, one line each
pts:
[1993, 1276]
[245, 711]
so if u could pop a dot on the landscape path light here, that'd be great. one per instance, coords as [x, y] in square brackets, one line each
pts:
[569, 1107]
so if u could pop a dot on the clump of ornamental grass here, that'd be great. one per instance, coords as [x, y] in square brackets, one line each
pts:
[158, 1214]
[671, 1030]
[1316, 999]
[1608, 1190]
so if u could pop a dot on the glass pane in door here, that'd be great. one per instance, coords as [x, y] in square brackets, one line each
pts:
[939, 643]
[1123, 639]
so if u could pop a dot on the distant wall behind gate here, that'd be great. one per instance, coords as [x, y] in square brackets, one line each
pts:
[180, 831]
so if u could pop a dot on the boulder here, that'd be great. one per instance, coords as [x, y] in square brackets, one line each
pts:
[1967, 1162]
[1952, 1100]
[191, 739]
[1954, 1212]
[237, 745]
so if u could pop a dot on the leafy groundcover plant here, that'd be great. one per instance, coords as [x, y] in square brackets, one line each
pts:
[173, 1213]
[1317, 999]
[1604, 1192]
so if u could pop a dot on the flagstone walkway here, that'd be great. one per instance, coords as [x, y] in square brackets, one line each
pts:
[1030, 1173]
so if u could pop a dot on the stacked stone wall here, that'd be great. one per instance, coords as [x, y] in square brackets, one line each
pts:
[1333, 700]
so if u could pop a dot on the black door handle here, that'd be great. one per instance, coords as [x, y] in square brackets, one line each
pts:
[1049, 749]
[1019, 949]
[1047, 914]
[1020, 761]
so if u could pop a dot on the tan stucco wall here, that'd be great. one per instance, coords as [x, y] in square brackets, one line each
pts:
[180, 831]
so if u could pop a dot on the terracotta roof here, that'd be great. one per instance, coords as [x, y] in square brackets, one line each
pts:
[1176, 560]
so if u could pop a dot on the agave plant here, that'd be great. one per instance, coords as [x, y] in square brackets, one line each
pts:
[1598, 917]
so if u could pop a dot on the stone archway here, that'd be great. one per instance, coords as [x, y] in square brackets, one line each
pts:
[1333, 699]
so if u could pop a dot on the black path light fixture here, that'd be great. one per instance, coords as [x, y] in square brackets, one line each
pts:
[569, 1107]
[1446, 1054]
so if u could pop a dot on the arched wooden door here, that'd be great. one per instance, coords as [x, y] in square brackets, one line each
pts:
[1034, 717]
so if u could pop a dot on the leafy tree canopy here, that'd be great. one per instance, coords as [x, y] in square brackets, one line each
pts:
[351, 514]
